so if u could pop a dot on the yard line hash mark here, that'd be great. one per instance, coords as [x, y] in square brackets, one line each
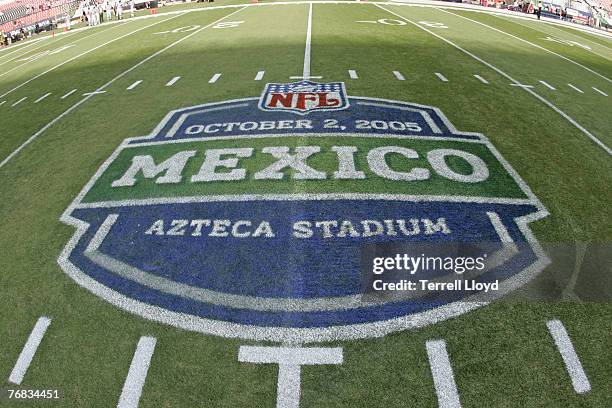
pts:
[441, 77]
[353, 74]
[27, 354]
[134, 85]
[545, 101]
[2, 103]
[442, 373]
[575, 89]
[552, 88]
[19, 101]
[260, 75]
[132, 388]
[173, 81]
[214, 78]
[481, 79]
[112, 81]
[580, 381]
[601, 92]
[42, 97]
[306, 70]
[399, 75]
[93, 93]
[68, 94]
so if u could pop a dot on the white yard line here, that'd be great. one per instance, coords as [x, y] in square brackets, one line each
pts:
[19, 101]
[499, 71]
[42, 97]
[353, 74]
[552, 88]
[87, 52]
[132, 388]
[441, 77]
[68, 94]
[306, 71]
[601, 92]
[27, 354]
[259, 75]
[214, 78]
[134, 85]
[106, 85]
[173, 81]
[580, 381]
[442, 373]
[575, 89]
[528, 42]
[399, 76]
[2, 103]
[481, 79]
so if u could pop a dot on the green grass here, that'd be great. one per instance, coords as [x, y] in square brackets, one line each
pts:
[502, 354]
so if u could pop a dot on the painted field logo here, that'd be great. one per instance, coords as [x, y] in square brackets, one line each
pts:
[304, 97]
[243, 219]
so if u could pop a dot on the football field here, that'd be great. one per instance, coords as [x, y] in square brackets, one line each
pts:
[532, 100]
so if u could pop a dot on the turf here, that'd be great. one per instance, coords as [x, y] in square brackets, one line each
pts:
[502, 354]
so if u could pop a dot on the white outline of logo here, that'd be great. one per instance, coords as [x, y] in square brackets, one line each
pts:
[300, 335]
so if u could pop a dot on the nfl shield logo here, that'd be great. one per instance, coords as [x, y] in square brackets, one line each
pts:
[304, 97]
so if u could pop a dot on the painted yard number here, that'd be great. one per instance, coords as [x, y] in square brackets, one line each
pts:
[391, 21]
[228, 24]
[45, 53]
[567, 42]
[187, 29]
[432, 24]
[385, 21]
